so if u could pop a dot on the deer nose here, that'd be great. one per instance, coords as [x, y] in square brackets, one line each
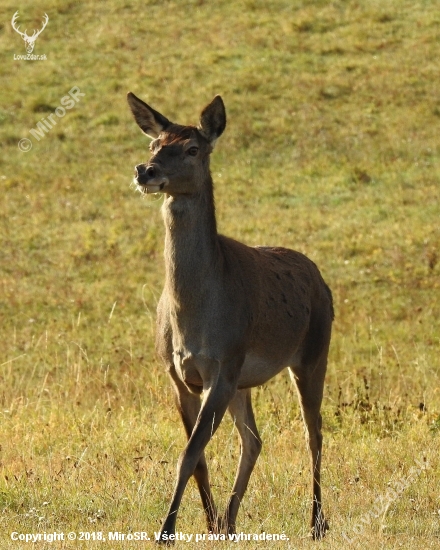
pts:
[151, 172]
[145, 172]
[139, 170]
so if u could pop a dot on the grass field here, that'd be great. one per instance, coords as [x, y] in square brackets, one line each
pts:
[332, 148]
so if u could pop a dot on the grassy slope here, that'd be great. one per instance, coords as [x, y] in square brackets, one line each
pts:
[332, 148]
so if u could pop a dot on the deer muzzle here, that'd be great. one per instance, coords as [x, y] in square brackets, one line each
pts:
[149, 179]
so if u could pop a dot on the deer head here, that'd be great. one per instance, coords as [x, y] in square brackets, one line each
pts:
[29, 40]
[180, 154]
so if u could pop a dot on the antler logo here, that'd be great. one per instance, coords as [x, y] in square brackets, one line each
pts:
[29, 40]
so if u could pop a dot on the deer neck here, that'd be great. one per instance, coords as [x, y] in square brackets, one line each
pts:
[191, 246]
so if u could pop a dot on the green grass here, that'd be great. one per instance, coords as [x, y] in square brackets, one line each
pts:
[332, 148]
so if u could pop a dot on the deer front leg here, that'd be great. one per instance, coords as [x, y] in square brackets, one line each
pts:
[188, 406]
[219, 389]
[243, 415]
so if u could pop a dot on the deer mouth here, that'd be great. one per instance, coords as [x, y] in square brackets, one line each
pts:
[150, 187]
[153, 188]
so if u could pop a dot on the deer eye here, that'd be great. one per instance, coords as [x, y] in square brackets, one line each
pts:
[192, 151]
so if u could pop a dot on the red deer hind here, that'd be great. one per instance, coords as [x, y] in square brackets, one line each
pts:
[230, 316]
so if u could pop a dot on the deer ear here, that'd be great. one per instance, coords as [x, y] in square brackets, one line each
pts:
[213, 120]
[149, 121]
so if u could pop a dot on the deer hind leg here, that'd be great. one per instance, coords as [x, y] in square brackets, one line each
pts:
[241, 411]
[309, 382]
[188, 406]
[219, 388]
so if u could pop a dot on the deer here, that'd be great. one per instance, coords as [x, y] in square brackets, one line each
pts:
[230, 316]
[29, 40]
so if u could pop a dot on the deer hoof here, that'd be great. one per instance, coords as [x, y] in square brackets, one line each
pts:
[165, 542]
[319, 529]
